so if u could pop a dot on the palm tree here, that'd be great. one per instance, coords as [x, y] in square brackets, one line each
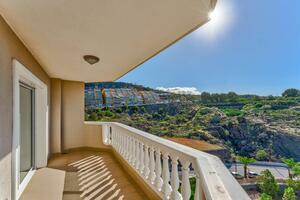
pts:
[291, 163]
[246, 161]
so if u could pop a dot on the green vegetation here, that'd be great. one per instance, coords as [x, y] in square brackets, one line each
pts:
[246, 125]
[246, 161]
[267, 184]
[289, 194]
[292, 92]
[264, 196]
[292, 165]
[261, 155]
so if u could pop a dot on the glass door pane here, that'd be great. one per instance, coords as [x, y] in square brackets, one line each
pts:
[26, 130]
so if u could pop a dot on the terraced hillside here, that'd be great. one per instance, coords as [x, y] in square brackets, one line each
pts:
[243, 124]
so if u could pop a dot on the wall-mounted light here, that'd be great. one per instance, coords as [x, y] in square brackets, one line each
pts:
[91, 59]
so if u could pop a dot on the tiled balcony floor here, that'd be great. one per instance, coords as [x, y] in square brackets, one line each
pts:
[93, 175]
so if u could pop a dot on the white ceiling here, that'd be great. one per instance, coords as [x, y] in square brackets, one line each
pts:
[122, 33]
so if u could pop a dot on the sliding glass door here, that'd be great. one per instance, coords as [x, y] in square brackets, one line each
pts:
[27, 106]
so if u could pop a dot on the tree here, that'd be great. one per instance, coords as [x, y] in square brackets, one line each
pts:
[261, 155]
[246, 161]
[295, 184]
[142, 109]
[289, 194]
[94, 116]
[264, 196]
[291, 92]
[267, 183]
[290, 162]
[232, 95]
[205, 96]
[296, 170]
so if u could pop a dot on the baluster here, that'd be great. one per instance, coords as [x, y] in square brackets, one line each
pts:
[185, 187]
[158, 179]
[166, 188]
[120, 143]
[133, 152]
[152, 166]
[175, 179]
[137, 155]
[141, 157]
[114, 139]
[146, 167]
[125, 147]
[117, 142]
[199, 195]
[128, 148]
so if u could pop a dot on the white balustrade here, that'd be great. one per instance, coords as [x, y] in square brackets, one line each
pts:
[137, 155]
[166, 188]
[152, 166]
[142, 160]
[158, 179]
[185, 186]
[175, 180]
[146, 167]
[144, 152]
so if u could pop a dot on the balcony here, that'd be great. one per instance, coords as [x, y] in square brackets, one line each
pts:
[42, 104]
[138, 165]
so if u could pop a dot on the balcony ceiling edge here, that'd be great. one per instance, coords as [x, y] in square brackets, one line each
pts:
[123, 34]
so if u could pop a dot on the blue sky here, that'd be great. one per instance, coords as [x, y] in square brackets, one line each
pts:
[249, 46]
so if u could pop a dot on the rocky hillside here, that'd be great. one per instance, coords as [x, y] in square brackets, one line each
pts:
[242, 124]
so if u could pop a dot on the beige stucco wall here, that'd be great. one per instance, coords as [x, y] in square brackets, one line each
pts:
[72, 114]
[75, 133]
[11, 47]
[55, 118]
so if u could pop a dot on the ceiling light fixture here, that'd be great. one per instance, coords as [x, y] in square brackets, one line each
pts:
[91, 59]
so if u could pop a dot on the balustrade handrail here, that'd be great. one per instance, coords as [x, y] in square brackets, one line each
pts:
[215, 180]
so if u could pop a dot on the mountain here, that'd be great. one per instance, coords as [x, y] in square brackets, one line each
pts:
[243, 124]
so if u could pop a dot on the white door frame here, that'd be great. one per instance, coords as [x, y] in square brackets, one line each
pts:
[22, 74]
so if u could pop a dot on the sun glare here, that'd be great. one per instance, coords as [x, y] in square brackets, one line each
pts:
[220, 20]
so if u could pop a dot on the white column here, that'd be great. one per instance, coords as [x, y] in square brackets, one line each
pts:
[166, 188]
[185, 187]
[129, 149]
[175, 179]
[146, 167]
[133, 159]
[158, 179]
[137, 155]
[198, 190]
[152, 166]
[141, 158]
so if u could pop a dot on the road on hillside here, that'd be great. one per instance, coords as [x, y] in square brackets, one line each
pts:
[279, 171]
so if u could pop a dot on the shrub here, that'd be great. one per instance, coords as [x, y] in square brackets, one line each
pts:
[295, 184]
[94, 116]
[267, 183]
[264, 196]
[261, 155]
[292, 92]
[289, 194]
[231, 112]
[215, 119]
[108, 113]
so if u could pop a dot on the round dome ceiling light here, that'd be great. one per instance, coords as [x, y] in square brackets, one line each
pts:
[91, 59]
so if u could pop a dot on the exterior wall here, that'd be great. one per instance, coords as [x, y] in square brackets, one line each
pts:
[72, 114]
[55, 118]
[11, 47]
[75, 133]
